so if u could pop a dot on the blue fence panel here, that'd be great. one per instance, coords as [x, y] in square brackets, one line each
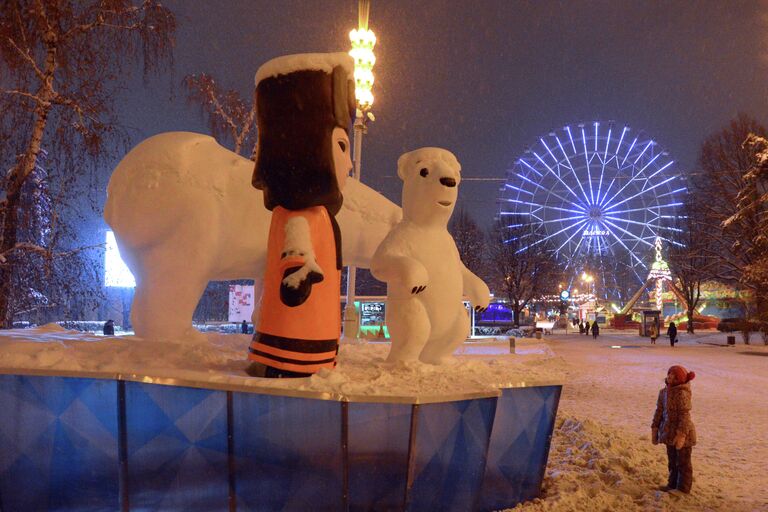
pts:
[58, 444]
[451, 443]
[378, 455]
[288, 453]
[517, 456]
[177, 448]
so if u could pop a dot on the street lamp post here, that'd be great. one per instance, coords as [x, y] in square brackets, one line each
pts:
[363, 41]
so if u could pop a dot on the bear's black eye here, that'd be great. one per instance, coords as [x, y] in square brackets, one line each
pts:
[424, 172]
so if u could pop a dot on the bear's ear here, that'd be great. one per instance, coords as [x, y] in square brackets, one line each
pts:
[404, 163]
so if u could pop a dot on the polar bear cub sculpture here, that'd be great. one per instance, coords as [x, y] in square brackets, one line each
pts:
[419, 262]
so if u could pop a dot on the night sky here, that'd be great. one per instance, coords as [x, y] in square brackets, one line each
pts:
[486, 79]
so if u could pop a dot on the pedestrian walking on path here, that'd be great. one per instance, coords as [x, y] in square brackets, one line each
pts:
[586, 328]
[595, 330]
[672, 333]
[654, 333]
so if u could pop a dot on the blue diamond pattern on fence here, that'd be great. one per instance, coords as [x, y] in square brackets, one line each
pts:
[287, 452]
[519, 446]
[177, 447]
[378, 455]
[58, 441]
[451, 443]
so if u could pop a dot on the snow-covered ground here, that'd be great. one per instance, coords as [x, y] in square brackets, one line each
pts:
[220, 359]
[602, 457]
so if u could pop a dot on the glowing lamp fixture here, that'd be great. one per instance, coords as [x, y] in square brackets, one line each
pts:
[363, 41]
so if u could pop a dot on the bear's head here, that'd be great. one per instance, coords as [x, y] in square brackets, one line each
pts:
[431, 178]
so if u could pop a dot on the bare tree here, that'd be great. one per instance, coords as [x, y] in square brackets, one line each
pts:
[60, 58]
[521, 266]
[689, 259]
[470, 241]
[752, 209]
[731, 238]
[230, 118]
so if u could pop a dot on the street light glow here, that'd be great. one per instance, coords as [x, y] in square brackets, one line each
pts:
[363, 41]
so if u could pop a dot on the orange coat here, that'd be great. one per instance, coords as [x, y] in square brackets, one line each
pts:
[302, 338]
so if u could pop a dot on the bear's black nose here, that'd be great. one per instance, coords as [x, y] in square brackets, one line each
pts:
[448, 182]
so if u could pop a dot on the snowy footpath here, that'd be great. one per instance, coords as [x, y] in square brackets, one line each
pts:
[602, 457]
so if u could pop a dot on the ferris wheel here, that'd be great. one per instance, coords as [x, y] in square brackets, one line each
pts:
[594, 192]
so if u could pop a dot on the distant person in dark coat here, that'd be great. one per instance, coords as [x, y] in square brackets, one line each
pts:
[109, 328]
[672, 333]
[244, 327]
[581, 327]
[586, 327]
[595, 330]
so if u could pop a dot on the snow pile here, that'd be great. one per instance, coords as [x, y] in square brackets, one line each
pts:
[596, 467]
[592, 467]
[221, 359]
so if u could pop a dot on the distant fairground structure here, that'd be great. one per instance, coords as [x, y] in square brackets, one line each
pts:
[599, 195]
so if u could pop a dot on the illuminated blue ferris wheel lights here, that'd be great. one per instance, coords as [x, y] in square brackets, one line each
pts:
[677, 191]
[641, 192]
[629, 150]
[542, 240]
[518, 189]
[669, 205]
[548, 150]
[568, 128]
[619, 208]
[650, 162]
[621, 139]
[531, 168]
[650, 143]
[596, 125]
[576, 232]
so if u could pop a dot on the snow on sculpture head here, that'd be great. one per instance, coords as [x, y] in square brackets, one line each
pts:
[303, 103]
[431, 178]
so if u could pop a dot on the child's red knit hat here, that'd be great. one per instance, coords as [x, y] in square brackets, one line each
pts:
[681, 374]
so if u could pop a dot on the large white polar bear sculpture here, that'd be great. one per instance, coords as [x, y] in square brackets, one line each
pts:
[421, 265]
[184, 212]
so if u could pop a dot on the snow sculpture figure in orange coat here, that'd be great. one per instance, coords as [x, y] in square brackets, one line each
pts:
[305, 105]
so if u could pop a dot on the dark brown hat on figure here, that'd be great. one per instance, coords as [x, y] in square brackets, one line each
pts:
[300, 99]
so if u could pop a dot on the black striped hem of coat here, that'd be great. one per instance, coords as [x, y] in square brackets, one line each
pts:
[279, 359]
[296, 345]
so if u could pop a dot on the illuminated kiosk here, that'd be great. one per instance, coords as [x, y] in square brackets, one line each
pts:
[96, 441]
